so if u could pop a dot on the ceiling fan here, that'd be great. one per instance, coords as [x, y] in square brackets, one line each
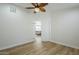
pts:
[38, 7]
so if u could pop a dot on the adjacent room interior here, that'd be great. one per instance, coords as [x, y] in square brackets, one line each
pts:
[39, 29]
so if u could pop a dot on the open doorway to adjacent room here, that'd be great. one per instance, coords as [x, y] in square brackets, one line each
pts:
[38, 34]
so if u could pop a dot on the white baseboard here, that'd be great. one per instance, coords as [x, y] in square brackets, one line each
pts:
[64, 44]
[10, 46]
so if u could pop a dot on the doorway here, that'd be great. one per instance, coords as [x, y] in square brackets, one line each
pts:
[38, 28]
[38, 34]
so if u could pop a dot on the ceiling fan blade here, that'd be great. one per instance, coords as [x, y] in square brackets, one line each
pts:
[30, 7]
[42, 9]
[35, 4]
[43, 4]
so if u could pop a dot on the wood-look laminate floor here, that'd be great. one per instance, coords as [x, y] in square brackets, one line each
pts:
[46, 48]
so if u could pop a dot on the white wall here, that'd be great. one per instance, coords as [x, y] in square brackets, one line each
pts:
[65, 27]
[15, 28]
[46, 27]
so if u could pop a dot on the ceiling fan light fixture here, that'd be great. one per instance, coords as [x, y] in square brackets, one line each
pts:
[37, 10]
[38, 7]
